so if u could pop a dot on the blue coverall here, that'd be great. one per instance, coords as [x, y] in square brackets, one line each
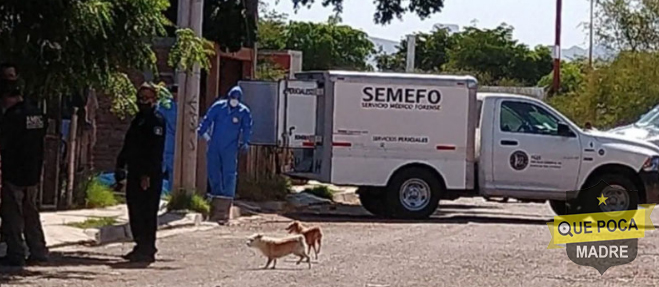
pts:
[170, 134]
[228, 126]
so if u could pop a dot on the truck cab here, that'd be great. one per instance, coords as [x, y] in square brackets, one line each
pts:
[528, 150]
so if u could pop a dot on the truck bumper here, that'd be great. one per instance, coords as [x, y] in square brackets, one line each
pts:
[651, 184]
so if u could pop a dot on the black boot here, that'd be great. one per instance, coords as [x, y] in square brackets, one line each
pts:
[11, 262]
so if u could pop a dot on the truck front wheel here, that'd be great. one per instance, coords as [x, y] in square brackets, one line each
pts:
[618, 191]
[413, 193]
[559, 207]
[372, 200]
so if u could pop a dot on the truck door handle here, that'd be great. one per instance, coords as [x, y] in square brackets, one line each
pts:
[508, 142]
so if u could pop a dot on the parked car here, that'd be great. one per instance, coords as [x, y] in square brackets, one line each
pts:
[646, 128]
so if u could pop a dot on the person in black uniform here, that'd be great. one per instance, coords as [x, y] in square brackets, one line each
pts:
[22, 131]
[142, 155]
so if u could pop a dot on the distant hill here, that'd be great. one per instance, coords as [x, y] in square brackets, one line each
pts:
[576, 52]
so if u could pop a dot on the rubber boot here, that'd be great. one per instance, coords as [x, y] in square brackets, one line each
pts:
[224, 210]
[215, 213]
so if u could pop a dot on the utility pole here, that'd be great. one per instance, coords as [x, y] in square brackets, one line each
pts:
[190, 14]
[411, 47]
[557, 48]
[590, 49]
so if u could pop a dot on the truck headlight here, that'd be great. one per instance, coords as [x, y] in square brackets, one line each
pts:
[651, 164]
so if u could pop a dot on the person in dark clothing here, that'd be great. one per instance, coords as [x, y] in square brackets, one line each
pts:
[8, 71]
[22, 131]
[141, 158]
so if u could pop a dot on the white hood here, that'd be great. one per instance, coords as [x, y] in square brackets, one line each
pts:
[626, 141]
[650, 134]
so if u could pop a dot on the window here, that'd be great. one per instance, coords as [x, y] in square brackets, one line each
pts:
[521, 117]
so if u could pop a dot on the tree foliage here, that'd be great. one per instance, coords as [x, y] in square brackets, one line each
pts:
[572, 77]
[489, 54]
[268, 70]
[386, 10]
[618, 92]
[614, 94]
[495, 53]
[230, 23]
[324, 46]
[431, 52]
[627, 24]
[69, 45]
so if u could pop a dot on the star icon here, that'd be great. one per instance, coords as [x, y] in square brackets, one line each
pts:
[602, 199]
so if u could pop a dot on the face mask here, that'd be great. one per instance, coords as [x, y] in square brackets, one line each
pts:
[143, 107]
[233, 103]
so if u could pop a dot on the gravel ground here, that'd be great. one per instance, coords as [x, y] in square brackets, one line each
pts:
[469, 243]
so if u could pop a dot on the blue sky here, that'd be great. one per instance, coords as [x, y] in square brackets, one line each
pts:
[533, 20]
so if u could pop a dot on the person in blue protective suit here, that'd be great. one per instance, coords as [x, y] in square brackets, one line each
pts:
[169, 112]
[227, 126]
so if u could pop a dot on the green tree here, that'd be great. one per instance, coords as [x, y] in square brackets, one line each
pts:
[494, 53]
[68, 45]
[572, 77]
[329, 45]
[431, 52]
[627, 25]
[386, 10]
[614, 94]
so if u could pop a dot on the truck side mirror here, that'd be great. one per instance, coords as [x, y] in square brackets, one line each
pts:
[564, 130]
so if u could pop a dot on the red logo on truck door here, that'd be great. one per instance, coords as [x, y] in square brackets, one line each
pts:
[401, 98]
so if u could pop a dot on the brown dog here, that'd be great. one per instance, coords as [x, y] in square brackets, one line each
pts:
[313, 235]
[275, 248]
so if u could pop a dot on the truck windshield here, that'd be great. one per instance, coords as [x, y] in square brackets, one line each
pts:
[649, 118]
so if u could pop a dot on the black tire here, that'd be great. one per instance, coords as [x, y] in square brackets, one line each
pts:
[588, 197]
[421, 176]
[559, 207]
[373, 201]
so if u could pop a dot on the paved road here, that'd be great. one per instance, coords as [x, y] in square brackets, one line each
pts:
[470, 243]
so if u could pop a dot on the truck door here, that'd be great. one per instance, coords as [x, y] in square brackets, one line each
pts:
[528, 154]
[298, 104]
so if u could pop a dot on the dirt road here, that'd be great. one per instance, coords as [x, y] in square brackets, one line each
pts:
[470, 243]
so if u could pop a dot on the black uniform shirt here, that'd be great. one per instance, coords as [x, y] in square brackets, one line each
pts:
[22, 131]
[144, 143]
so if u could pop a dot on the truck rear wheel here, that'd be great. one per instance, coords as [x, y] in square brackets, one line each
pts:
[559, 207]
[619, 191]
[372, 200]
[413, 193]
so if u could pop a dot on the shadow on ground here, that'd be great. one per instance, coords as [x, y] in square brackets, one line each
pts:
[458, 219]
[53, 268]
[447, 214]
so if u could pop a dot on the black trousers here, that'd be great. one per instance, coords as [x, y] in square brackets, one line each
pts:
[20, 218]
[143, 211]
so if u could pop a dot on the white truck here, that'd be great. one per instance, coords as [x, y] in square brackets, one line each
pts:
[408, 140]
